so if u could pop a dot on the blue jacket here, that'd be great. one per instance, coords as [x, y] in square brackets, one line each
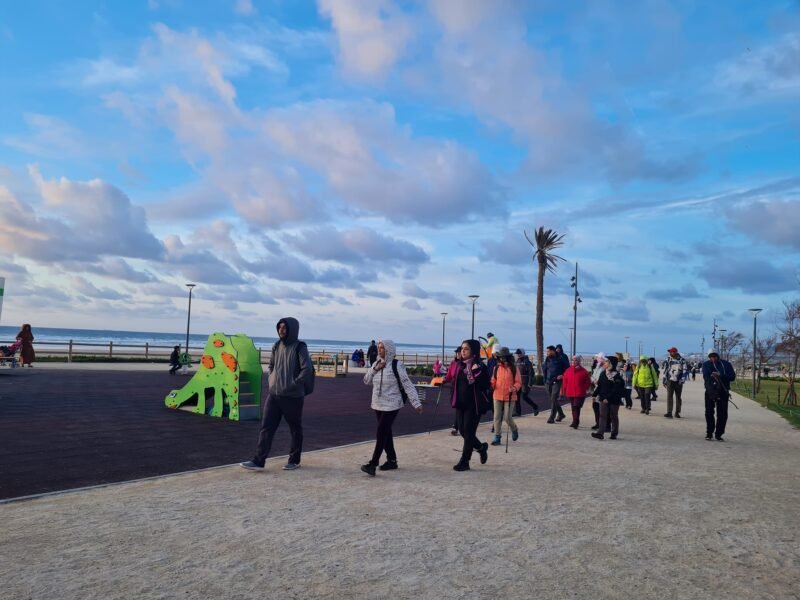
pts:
[725, 370]
[554, 366]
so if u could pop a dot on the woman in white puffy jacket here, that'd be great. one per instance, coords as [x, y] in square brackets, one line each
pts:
[388, 393]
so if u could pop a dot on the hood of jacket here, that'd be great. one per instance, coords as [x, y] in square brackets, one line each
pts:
[391, 350]
[292, 329]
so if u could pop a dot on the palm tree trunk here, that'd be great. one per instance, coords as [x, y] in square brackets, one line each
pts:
[540, 316]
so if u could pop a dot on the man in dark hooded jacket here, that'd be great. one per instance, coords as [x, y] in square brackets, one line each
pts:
[289, 368]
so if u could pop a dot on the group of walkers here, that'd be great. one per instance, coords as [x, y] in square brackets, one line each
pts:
[477, 387]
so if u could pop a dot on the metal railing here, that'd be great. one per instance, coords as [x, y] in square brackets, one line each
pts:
[111, 350]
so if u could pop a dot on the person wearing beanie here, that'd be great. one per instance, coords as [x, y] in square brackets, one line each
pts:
[553, 370]
[717, 376]
[675, 373]
[645, 380]
[575, 387]
[610, 391]
[506, 382]
[598, 366]
[525, 369]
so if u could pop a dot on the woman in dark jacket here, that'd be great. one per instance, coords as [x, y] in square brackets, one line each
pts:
[27, 355]
[610, 391]
[471, 384]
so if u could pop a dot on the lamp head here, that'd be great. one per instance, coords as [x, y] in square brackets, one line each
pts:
[754, 311]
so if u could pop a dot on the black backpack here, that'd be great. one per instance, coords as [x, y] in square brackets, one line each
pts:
[399, 383]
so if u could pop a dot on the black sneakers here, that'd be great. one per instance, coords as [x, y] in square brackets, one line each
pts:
[462, 466]
[389, 465]
[369, 469]
[484, 452]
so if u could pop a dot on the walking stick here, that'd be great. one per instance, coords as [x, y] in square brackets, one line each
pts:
[435, 408]
[508, 429]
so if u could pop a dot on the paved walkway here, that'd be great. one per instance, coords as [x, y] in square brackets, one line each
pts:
[659, 513]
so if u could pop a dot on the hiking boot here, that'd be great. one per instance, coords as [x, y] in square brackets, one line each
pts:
[514, 436]
[484, 453]
[389, 465]
[462, 466]
[560, 418]
[369, 469]
[496, 440]
[251, 466]
[597, 435]
[668, 416]
[290, 466]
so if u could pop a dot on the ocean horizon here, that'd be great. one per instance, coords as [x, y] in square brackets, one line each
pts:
[59, 336]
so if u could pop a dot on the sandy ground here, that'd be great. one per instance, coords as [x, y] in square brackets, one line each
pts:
[659, 513]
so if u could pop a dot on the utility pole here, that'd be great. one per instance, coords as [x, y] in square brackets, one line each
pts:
[575, 302]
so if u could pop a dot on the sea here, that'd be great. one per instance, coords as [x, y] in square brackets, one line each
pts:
[57, 337]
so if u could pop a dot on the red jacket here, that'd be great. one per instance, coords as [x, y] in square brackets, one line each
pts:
[576, 382]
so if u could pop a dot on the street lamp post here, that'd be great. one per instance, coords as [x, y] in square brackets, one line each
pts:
[444, 316]
[571, 347]
[474, 298]
[627, 337]
[188, 320]
[722, 343]
[754, 312]
[576, 300]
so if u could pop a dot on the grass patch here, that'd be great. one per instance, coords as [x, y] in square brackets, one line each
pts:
[770, 394]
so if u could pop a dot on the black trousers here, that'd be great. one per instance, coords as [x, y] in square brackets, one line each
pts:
[174, 368]
[628, 398]
[721, 407]
[645, 395]
[277, 408]
[384, 439]
[468, 420]
[523, 395]
[554, 391]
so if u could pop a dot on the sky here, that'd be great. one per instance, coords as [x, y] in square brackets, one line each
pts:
[365, 165]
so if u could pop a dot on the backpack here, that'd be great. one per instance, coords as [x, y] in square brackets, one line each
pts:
[310, 380]
[399, 383]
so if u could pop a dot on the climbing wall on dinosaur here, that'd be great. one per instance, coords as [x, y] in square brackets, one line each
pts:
[227, 382]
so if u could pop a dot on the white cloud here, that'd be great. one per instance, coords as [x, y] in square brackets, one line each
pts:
[773, 68]
[411, 305]
[245, 8]
[372, 34]
[375, 165]
[80, 221]
[49, 136]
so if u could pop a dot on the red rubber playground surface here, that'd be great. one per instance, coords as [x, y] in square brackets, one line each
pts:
[62, 430]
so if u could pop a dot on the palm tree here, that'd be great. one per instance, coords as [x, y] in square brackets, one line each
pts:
[545, 241]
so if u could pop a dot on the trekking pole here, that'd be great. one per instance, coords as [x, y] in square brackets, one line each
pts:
[508, 429]
[435, 408]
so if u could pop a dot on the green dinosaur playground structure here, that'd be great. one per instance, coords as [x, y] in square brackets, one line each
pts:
[230, 371]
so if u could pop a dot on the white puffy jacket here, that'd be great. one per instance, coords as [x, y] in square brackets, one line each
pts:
[385, 387]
